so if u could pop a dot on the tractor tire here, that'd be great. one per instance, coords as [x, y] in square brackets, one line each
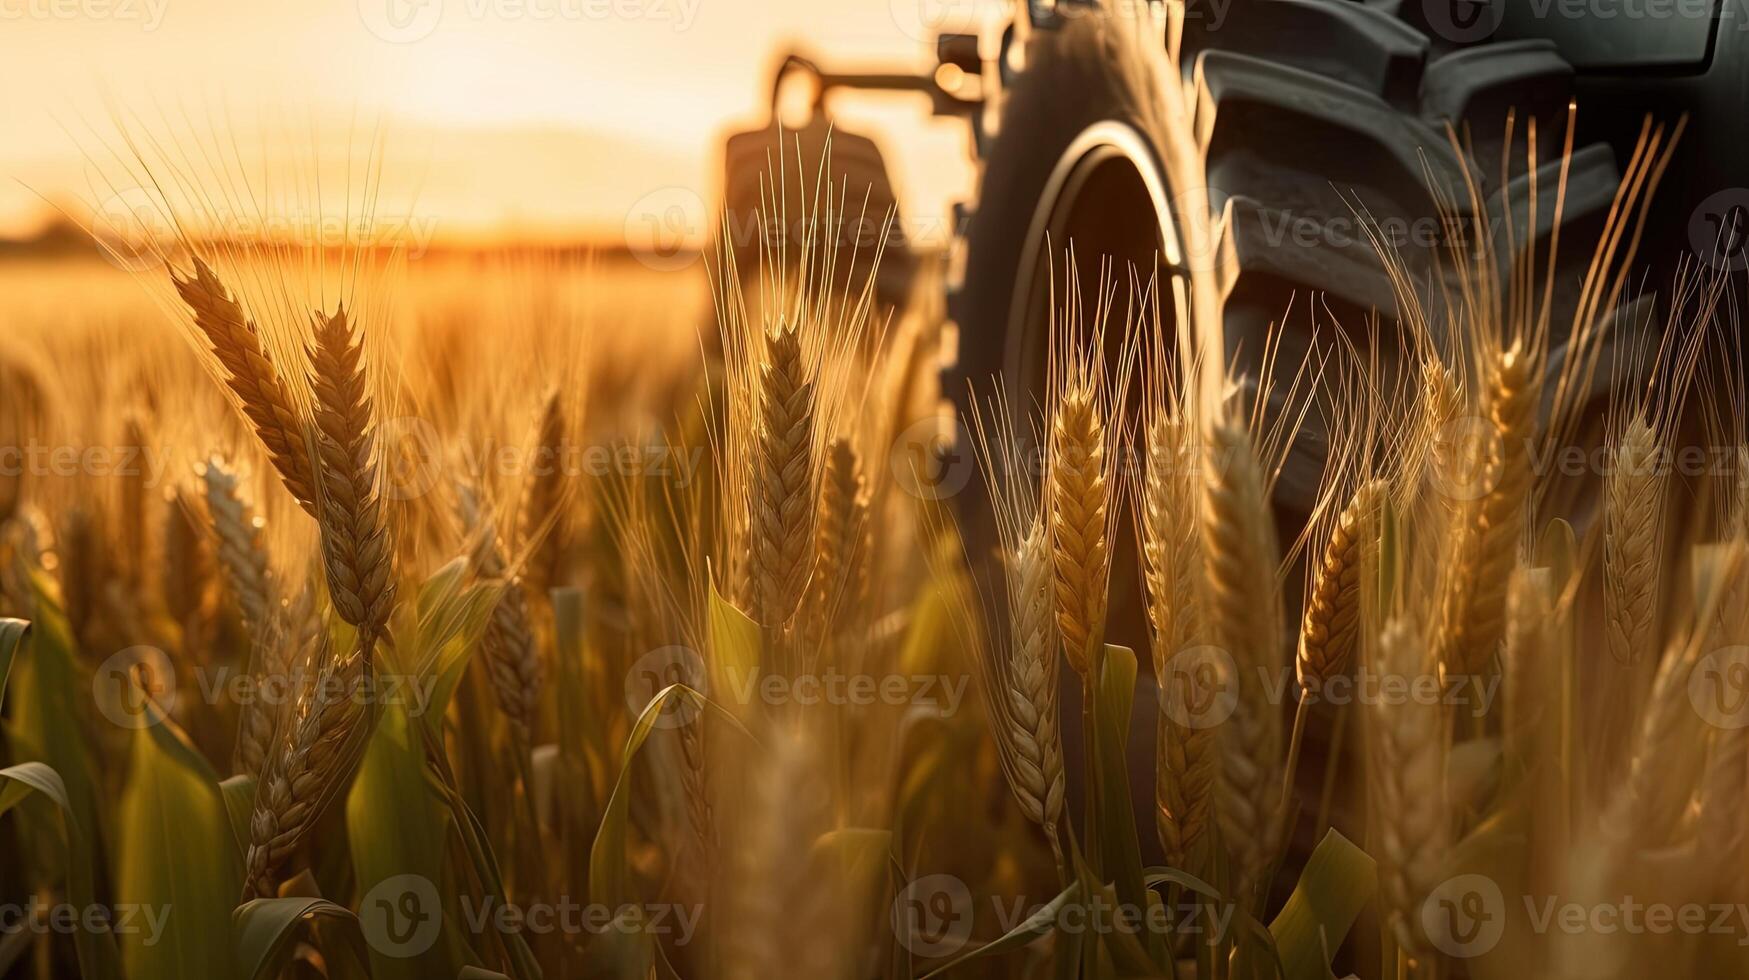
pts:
[1297, 113]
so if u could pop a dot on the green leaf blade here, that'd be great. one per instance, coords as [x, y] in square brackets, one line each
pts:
[1337, 883]
[172, 798]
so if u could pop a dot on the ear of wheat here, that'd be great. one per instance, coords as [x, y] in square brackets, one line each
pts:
[840, 579]
[357, 552]
[312, 765]
[1474, 602]
[1331, 623]
[543, 503]
[1086, 433]
[695, 781]
[1019, 673]
[1186, 780]
[1409, 788]
[250, 373]
[1170, 505]
[1244, 619]
[287, 646]
[237, 532]
[781, 525]
[1633, 512]
[512, 658]
[1030, 688]
[1539, 725]
[1080, 500]
[1439, 405]
[1640, 813]
[313, 760]
[1187, 757]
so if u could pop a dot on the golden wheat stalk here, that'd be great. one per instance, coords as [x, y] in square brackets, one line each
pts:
[290, 645]
[781, 522]
[312, 765]
[1644, 805]
[357, 551]
[1331, 624]
[1474, 603]
[333, 721]
[1019, 674]
[237, 532]
[1439, 405]
[250, 373]
[512, 659]
[695, 781]
[1080, 500]
[247, 575]
[1186, 781]
[1661, 732]
[542, 516]
[1244, 619]
[1030, 722]
[1187, 756]
[1633, 510]
[1171, 538]
[839, 587]
[1538, 733]
[1408, 783]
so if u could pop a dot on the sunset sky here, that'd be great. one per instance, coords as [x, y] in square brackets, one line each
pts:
[501, 118]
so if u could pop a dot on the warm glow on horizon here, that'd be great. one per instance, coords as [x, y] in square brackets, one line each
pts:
[502, 119]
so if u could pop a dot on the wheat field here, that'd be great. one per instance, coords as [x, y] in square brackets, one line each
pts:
[522, 615]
